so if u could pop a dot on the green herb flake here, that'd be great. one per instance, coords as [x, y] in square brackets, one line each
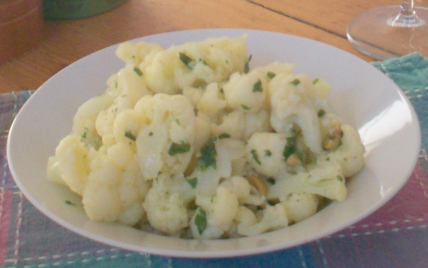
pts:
[115, 84]
[268, 153]
[255, 156]
[186, 60]
[192, 182]
[208, 156]
[68, 202]
[247, 64]
[258, 86]
[221, 91]
[271, 75]
[245, 107]
[201, 220]
[150, 134]
[271, 181]
[177, 121]
[138, 71]
[129, 135]
[321, 113]
[224, 136]
[85, 133]
[340, 178]
[295, 82]
[290, 147]
[315, 81]
[178, 148]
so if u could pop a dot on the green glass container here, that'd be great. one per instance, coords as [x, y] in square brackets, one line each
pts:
[76, 9]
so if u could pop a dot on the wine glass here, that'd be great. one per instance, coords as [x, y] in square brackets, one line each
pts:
[391, 31]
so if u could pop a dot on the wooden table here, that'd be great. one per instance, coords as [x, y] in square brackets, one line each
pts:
[68, 41]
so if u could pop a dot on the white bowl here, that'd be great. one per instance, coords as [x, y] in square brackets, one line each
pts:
[363, 96]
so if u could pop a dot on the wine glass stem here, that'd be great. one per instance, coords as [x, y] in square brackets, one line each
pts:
[407, 8]
[407, 15]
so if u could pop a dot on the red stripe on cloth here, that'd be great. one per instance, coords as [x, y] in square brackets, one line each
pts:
[407, 208]
[6, 199]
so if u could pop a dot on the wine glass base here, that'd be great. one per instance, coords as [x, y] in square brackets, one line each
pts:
[378, 33]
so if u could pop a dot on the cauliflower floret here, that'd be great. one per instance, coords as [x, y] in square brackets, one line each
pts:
[166, 144]
[133, 86]
[350, 154]
[196, 63]
[84, 120]
[135, 53]
[300, 206]
[114, 193]
[166, 206]
[233, 124]
[271, 70]
[211, 102]
[73, 162]
[246, 193]
[265, 153]
[323, 178]
[274, 217]
[294, 100]
[246, 92]
[219, 211]
[101, 201]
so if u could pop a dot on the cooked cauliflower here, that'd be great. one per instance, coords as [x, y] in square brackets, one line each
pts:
[165, 204]
[187, 141]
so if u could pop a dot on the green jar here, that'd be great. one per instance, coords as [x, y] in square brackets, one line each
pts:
[76, 9]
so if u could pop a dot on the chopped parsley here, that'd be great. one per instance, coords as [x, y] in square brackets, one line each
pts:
[290, 147]
[138, 71]
[85, 133]
[178, 148]
[150, 134]
[295, 82]
[340, 178]
[68, 202]
[224, 136]
[186, 60]
[321, 113]
[258, 86]
[268, 153]
[255, 156]
[201, 220]
[208, 155]
[192, 182]
[247, 64]
[315, 81]
[271, 181]
[129, 135]
[271, 75]
[245, 107]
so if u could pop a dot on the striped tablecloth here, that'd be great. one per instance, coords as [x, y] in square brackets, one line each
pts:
[394, 236]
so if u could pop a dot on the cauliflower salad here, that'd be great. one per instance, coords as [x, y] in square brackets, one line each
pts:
[188, 141]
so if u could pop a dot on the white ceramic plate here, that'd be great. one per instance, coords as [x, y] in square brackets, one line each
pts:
[361, 95]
